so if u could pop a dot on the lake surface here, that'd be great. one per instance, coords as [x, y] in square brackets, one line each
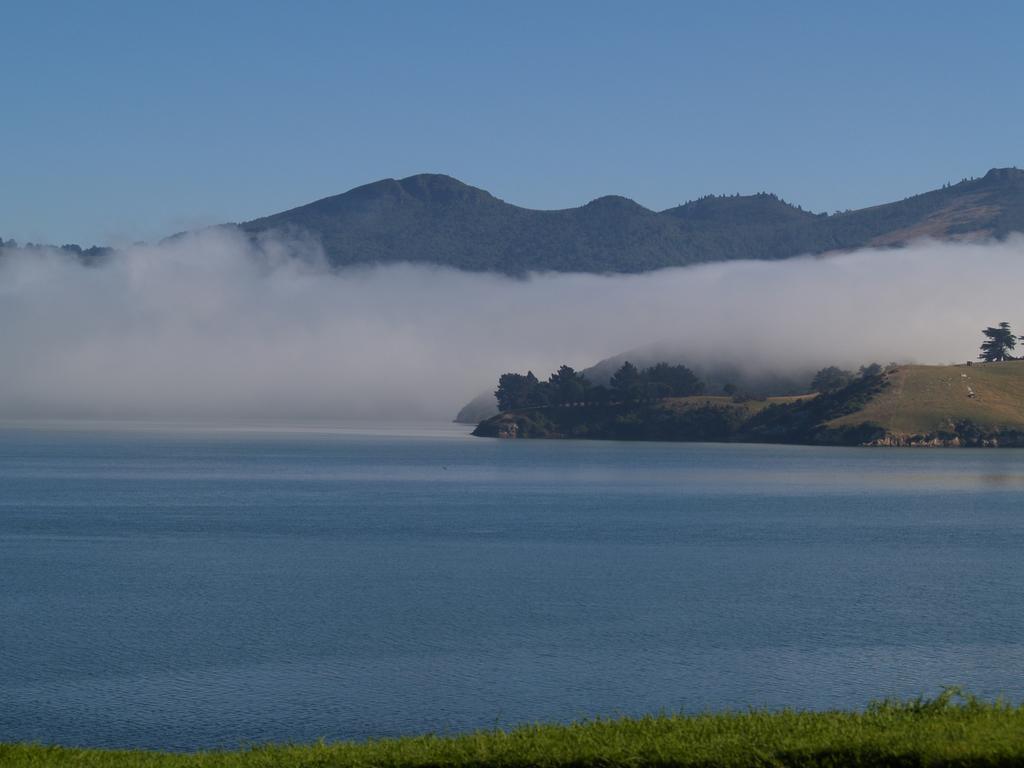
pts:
[183, 590]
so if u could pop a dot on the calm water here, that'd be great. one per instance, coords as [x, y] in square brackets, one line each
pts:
[184, 590]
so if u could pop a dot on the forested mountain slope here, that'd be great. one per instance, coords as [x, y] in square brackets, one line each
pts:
[436, 219]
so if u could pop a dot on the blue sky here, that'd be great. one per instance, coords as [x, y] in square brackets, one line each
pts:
[132, 120]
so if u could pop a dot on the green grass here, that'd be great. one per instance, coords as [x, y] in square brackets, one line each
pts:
[747, 406]
[952, 730]
[922, 399]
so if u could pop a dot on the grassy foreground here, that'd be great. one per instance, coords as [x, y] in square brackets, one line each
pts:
[947, 731]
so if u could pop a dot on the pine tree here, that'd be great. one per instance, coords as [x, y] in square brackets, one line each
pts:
[567, 385]
[998, 344]
[625, 379]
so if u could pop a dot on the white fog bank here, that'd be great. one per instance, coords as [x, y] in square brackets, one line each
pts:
[208, 326]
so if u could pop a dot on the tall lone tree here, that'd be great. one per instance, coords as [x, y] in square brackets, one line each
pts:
[998, 344]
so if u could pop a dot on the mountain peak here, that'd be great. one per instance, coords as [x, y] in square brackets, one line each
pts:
[615, 203]
[440, 180]
[419, 185]
[436, 219]
[762, 208]
[1011, 175]
[439, 187]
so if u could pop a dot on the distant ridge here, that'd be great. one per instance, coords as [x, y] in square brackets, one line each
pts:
[436, 219]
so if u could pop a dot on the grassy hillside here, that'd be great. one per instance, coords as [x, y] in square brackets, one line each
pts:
[971, 405]
[432, 218]
[929, 399]
[923, 733]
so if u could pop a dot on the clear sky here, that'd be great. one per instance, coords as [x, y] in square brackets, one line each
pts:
[132, 120]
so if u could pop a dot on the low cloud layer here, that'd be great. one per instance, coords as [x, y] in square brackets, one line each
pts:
[209, 326]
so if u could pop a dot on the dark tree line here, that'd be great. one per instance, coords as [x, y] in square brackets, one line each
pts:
[567, 386]
[89, 255]
[833, 378]
[660, 380]
[564, 386]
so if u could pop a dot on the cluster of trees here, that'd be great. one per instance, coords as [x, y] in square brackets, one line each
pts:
[88, 255]
[29, 246]
[660, 380]
[567, 386]
[999, 343]
[833, 378]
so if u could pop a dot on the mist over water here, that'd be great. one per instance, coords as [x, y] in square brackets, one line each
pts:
[212, 326]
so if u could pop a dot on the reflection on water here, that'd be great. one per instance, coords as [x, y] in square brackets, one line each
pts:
[195, 589]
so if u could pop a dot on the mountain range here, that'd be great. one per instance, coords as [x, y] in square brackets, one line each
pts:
[436, 219]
